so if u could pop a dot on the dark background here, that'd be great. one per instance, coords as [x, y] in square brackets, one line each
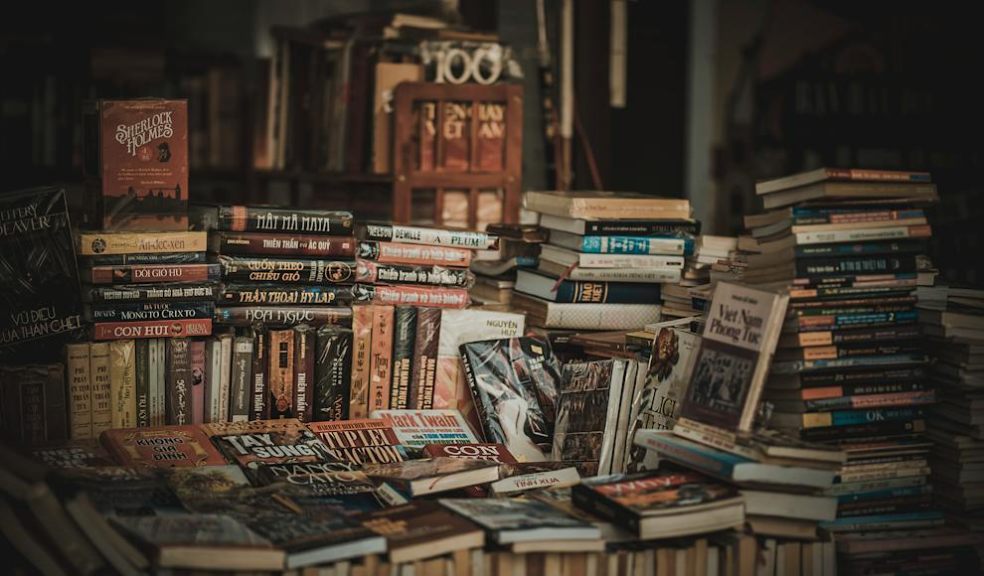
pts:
[794, 84]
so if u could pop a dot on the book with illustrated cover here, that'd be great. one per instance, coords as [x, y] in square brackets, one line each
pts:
[225, 490]
[72, 454]
[418, 428]
[663, 504]
[514, 383]
[739, 339]
[163, 447]
[282, 441]
[362, 441]
[322, 488]
[489, 452]
[509, 520]
[122, 490]
[202, 542]
[319, 540]
[429, 476]
[587, 414]
[39, 296]
[423, 529]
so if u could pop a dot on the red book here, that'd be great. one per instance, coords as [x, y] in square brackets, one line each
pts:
[152, 329]
[478, 451]
[161, 447]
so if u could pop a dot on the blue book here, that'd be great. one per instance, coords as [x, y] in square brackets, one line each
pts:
[885, 494]
[728, 466]
[885, 521]
[575, 292]
[851, 417]
[637, 245]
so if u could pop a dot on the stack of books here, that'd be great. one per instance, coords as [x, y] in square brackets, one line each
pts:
[606, 257]
[952, 321]
[850, 370]
[496, 270]
[281, 266]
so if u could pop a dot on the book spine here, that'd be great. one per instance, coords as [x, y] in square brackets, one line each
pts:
[869, 320]
[865, 265]
[258, 407]
[864, 235]
[80, 386]
[424, 372]
[152, 273]
[199, 368]
[807, 217]
[456, 298]
[636, 245]
[55, 404]
[142, 368]
[152, 329]
[178, 406]
[125, 259]
[854, 417]
[133, 311]
[279, 295]
[628, 261]
[122, 380]
[289, 271]
[282, 315]
[102, 395]
[405, 330]
[30, 408]
[830, 337]
[625, 274]
[273, 244]
[153, 384]
[372, 272]
[867, 377]
[855, 390]
[101, 244]
[431, 236]
[705, 463]
[871, 431]
[225, 376]
[483, 407]
[305, 339]
[583, 497]
[380, 360]
[149, 293]
[362, 322]
[333, 372]
[630, 228]
[239, 393]
[213, 378]
[281, 374]
[414, 254]
[867, 248]
[607, 293]
[247, 219]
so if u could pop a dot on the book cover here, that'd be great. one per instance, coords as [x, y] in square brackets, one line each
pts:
[319, 540]
[733, 360]
[161, 447]
[280, 244]
[514, 383]
[72, 454]
[575, 292]
[295, 220]
[651, 493]
[285, 270]
[39, 303]
[381, 358]
[418, 428]
[305, 340]
[359, 400]
[362, 441]
[528, 476]
[178, 406]
[280, 374]
[140, 155]
[509, 520]
[282, 441]
[430, 475]
[587, 414]
[480, 451]
[405, 330]
[333, 363]
[423, 529]
[424, 359]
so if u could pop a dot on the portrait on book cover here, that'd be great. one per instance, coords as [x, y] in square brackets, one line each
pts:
[721, 378]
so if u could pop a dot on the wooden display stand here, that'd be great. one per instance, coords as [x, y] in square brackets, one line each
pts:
[484, 155]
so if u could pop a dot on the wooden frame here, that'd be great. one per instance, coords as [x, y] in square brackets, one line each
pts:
[406, 176]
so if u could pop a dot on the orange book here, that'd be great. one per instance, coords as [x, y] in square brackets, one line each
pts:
[161, 447]
[380, 363]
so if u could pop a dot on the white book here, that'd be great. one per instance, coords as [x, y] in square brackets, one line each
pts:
[567, 257]
[213, 378]
[225, 377]
[161, 380]
[785, 505]
[622, 421]
[578, 274]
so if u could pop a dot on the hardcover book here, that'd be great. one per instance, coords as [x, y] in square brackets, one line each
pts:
[284, 441]
[418, 428]
[514, 383]
[363, 441]
[39, 301]
[732, 363]
[137, 150]
[423, 529]
[510, 520]
[281, 294]
[295, 220]
[288, 271]
[279, 244]
[161, 447]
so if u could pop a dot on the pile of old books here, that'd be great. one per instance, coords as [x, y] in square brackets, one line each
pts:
[850, 369]
[605, 259]
[952, 321]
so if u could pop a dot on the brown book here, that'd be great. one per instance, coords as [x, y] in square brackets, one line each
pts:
[99, 372]
[281, 441]
[305, 339]
[362, 441]
[178, 382]
[388, 75]
[424, 371]
[491, 133]
[281, 374]
[123, 385]
[136, 152]
[380, 362]
[415, 478]
[161, 447]
[361, 354]
[79, 390]
[423, 529]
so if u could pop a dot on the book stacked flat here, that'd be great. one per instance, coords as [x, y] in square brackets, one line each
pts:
[606, 258]
[952, 321]
[850, 370]
[495, 270]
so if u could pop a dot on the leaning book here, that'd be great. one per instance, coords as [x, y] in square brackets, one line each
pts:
[739, 340]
